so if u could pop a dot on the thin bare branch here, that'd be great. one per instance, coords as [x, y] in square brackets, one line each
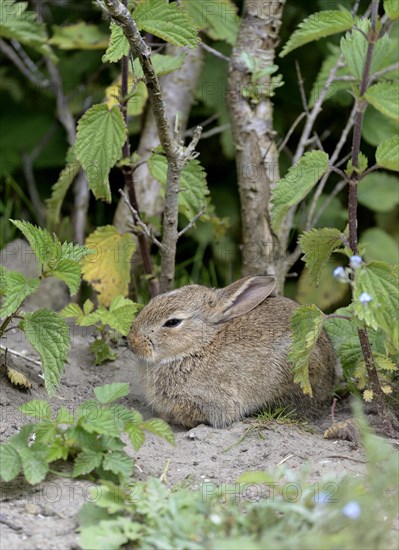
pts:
[138, 222]
[191, 223]
[12, 55]
[214, 52]
[290, 132]
[301, 88]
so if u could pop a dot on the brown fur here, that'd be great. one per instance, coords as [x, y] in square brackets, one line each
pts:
[228, 357]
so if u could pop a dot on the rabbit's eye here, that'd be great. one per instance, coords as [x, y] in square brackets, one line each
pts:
[172, 322]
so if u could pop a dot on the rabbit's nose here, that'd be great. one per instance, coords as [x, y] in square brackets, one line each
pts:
[139, 344]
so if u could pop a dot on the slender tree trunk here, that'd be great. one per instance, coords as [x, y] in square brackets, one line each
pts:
[252, 124]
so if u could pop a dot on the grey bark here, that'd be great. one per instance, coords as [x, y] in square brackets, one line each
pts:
[252, 125]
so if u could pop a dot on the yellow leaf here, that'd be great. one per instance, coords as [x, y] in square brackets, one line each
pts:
[108, 269]
[137, 96]
[18, 379]
[368, 395]
[386, 389]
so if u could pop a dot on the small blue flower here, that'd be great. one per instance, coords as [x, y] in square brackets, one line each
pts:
[352, 510]
[340, 274]
[355, 262]
[365, 298]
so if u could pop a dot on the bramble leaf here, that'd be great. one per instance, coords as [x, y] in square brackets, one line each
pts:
[48, 334]
[387, 154]
[118, 45]
[102, 352]
[136, 434]
[160, 428]
[100, 135]
[306, 325]
[316, 26]
[119, 463]
[16, 288]
[218, 20]
[34, 465]
[296, 184]
[317, 246]
[111, 392]
[10, 463]
[384, 97]
[86, 461]
[37, 408]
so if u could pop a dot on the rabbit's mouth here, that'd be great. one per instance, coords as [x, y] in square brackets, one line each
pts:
[141, 346]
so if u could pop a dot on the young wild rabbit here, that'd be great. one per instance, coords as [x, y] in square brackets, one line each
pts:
[215, 356]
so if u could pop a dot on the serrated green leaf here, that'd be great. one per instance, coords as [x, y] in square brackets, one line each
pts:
[295, 185]
[218, 20]
[135, 431]
[100, 421]
[193, 186]
[123, 414]
[108, 534]
[361, 167]
[100, 135]
[59, 191]
[64, 416]
[102, 352]
[379, 245]
[34, 465]
[391, 8]
[45, 432]
[316, 26]
[79, 36]
[71, 311]
[306, 326]
[387, 154]
[48, 333]
[317, 246]
[18, 23]
[44, 245]
[86, 462]
[160, 428]
[118, 45]
[75, 252]
[379, 191]
[3, 280]
[384, 97]
[377, 128]
[57, 451]
[167, 21]
[119, 463]
[10, 463]
[111, 392]
[69, 272]
[16, 289]
[384, 363]
[37, 408]
[88, 306]
[121, 312]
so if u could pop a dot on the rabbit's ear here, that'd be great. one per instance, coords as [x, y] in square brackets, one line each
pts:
[242, 296]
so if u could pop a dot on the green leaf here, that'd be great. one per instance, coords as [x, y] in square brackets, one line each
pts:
[100, 136]
[111, 392]
[381, 282]
[34, 465]
[160, 428]
[379, 192]
[384, 97]
[46, 248]
[321, 79]
[306, 325]
[217, 19]
[16, 287]
[123, 414]
[119, 463]
[118, 45]
[377, 128]
[167, 21]
[317, 246]
[86, 462]
[59, 191]
[48, 334]
[45, 432]
[100, 421]
[295, 185]
[384, 363]
[135, 431]
[391, 8]
[79, 36]
[361, 167]
[387, 154]
[102, 352]
[163, 64]
[316, 26]
[108, 534]
[37, 408]
[379, 245]
[64, 416]
[193, 186]
[69, 272]
[10, 463]
[119, 316]
[75, 252]
[18, 23]
[71, 311]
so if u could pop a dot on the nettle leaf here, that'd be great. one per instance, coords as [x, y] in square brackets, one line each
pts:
[306, 325]
[160, 428]
[10, 463]
[75, 252]
[45, 247]
[59, 191]
[108, 269]
[379, 191]
[100, 135]
[119, 316]
[17, 288]
[218, 19]
[102, 352]
[167, 21]
[18, 23]
[379, 283]
[111, 392]
[391, 8]
[48, 334]
[119, 463]
[387, 154]
[69, 272]
[86, 462]
[384, 97]
[37, 408]
[118, 45]
[318, 25]
[296, 184]
[317, 246]
[193, 185]
[79, 36]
